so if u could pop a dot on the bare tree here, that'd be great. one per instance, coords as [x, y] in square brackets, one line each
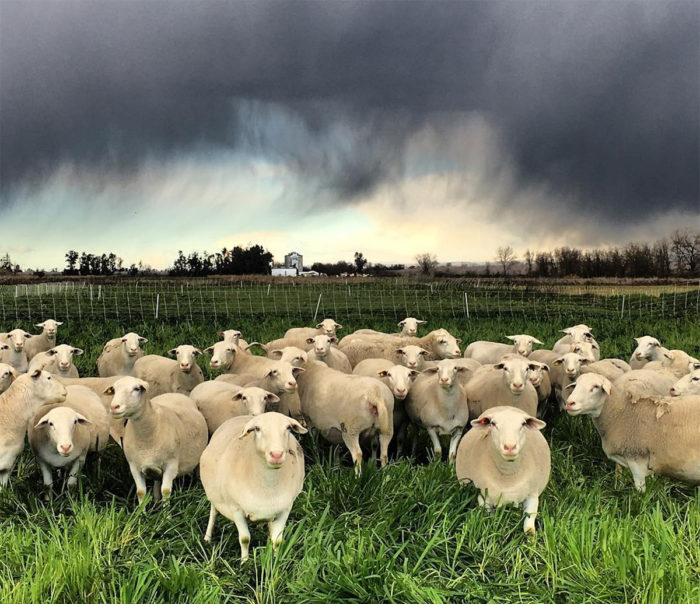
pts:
[506, 257]
[529, 260]
[427, 262]
[686, 249]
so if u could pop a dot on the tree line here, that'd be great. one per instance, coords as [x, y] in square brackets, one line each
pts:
[253, 260]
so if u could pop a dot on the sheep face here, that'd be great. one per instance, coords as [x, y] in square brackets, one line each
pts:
[50, 328]
[646, 346]
[587, 350]
[523, 343]
[271, 433]
[128, 397]
[446, 371]
[536, 375]
[409, 326]
[17, 338]
[132, 343]
[63, 353]
[321, 344]
[579, 333]
[296, 357]
[688, 384]
[256, 399]
[185, 355]
[45, 389]
[507, 428]
[329, 327]
[412, 356]
[60, 425]
[222, 355]
[447, 345]
[515, 373]
[231, 336]
[7, 375]
[399, 379]
[590, 393]
[571, 362]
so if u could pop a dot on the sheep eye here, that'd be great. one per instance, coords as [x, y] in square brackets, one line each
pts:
[594, 388]
[692, 380]
[48, 378]
[257, 429]
[443, 341]
[75, 421]
[243, 398]
[51, 424]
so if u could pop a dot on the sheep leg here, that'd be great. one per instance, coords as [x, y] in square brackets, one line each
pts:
[400, 439]
[156, 491]
[454, 441]
[435, 439]
[210, 526]
[139, 480]
[640, 470]
[375, 447]
[243, 533]
[384, 440]
[73, 473]
[4, 478]
[169, 475]
[352, 442]
[530, 506]
[276, 528]
[47, 477]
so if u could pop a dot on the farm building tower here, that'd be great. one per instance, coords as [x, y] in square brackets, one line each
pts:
[294, 260]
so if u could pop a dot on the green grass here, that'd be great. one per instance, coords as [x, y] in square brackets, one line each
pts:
[406, 533]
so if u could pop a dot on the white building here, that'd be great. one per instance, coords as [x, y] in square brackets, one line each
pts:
[284, 272]
[294, 260]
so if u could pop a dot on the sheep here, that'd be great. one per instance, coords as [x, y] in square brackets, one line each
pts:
[253, 470]
[119, 355]
[545, 356]
[222, 354]
[344, 407]
[8, 374]
[506, 457]
[639, 429]
[438, 403]
[491, 352]
[98, 386]
[45, 340]
[678, 362]
[62, 434]
[688, 384]
[57, 360]
[587, 350]
[574, 335]
[539, 378]
[169, 375]
[609, 368]
[164, 437]
[292, 354]
[323, 351]
[233, 336]
[219, 402]
[411, 356]
[17, 406]
[563, 372]
[505, 383]
[409, 327]
[297, 336]
[439, 344]
[399, 380]
[648, 349]
[15, 354]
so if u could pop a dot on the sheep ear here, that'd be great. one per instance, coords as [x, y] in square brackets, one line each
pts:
[383, 373]
[482, 422]
[309, 340]
[272, 398]
[558, 361]
[401, 323]
[83, 420]
[333, 339]
[458, 340]
[567, 330]
[534, 423]
[43, 423]
[536, 341]
[36, 374]
[413, 374]
[511, 338]
[248, 428]
[209, 350]
[430, 371]
[420, 322]
[694, 365]
[15, 375]
[142, 340]
[461, 368]
[276, 354]
[297, 370]
[319, 325]
[257, 344]
[585, 361]
[296, 426]
[197, 352]
[499, 366]
[668, 355]
[59, 323]
[220, 334]
[77, 351]
[424, 353]
[606, 386]
[51, 352]
[39, 324]
[237, 397]
[400, 351]
[109, 391]
[338, 326]
[172, 352]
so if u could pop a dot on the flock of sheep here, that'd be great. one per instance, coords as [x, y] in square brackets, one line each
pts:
[363, 392]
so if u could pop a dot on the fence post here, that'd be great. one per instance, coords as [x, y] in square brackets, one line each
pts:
[157, 305]
[622, 311]
[317, 306]
[466, 304]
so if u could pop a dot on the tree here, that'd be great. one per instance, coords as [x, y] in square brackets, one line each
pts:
[686, 250]
[529, 260]
[506, 257]
[427, 262]
[71, 258]
[360, 262]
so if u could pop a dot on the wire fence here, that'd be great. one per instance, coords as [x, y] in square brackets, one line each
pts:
[307, 301]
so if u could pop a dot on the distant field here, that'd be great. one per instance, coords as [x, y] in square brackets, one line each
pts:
[407, 533]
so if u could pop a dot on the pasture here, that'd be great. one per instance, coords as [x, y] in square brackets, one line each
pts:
[406, 533]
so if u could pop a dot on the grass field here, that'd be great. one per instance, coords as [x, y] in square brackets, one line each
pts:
[406, 533]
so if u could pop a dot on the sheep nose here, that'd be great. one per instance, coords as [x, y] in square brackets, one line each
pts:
[570, 404]
[400, 391]
[411, 364]
[114, 408]
[672, 391]
[65, 365]
[517, 386]
[293, 384]
[133, 349]
[276, 455]
[66, 448]
[509, 448]
[185, 365]
[444, 380]
[213, 363]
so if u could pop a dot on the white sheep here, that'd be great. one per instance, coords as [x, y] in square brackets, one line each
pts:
[506, 383]
[222, 354]
[233, 336]
[58, 360]
[648, 349]
[491, 352]
[164, 436]
[565, 371]
[18, 404]
[438, 403]
[292, 354]
[170, 375]
[297, 336]
[688, 384]
[678, 362]
[409, 327]
[506, 457]
[639, 429]
[62, 434]
[253, 470]
[15, 354]
[574, 335]
[119, 355]
[343, 407]
[609, 368]
[322, 350]
[45, 340]
[8, 374]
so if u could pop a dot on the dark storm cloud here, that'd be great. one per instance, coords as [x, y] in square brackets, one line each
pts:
[596, 100]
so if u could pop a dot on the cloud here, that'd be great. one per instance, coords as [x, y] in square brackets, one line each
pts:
[593, 105]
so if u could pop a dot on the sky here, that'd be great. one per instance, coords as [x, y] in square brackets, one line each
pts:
[387, 127]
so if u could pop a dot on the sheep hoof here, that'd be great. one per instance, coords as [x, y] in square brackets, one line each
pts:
[530, 531]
